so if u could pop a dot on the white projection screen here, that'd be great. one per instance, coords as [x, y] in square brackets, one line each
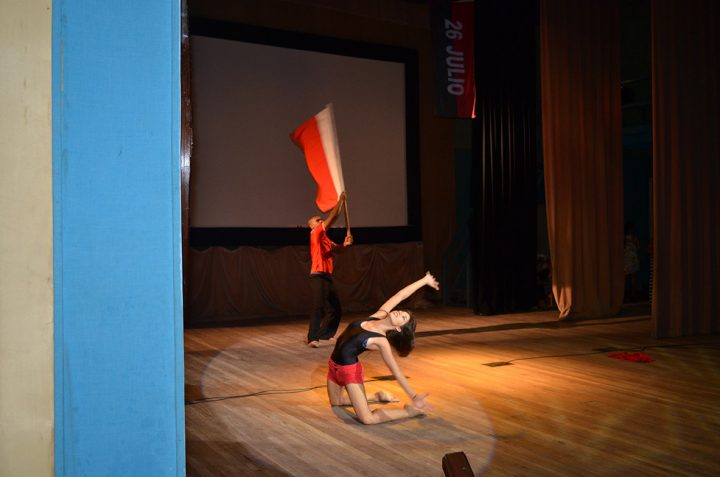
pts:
[249, 95]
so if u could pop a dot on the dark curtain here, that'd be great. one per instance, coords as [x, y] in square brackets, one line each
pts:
[686, 166]
[251, 282]
[582, 152]
[503, 228]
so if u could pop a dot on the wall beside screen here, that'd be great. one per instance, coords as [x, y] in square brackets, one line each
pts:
[251, 87]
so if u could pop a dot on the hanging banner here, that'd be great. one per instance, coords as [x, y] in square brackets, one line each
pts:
[453, 27]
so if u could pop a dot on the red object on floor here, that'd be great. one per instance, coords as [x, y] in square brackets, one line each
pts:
[633, 356]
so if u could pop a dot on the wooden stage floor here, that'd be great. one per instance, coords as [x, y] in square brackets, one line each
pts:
[562, 407]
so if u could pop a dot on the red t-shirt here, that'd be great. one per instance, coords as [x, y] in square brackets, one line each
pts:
[321, 250]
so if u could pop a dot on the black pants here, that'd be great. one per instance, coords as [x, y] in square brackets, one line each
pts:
[326, 311]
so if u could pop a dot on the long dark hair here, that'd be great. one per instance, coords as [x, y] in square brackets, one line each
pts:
[404, 340]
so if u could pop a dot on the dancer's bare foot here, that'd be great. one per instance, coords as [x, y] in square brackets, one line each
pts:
[314, 344]
[384, 396]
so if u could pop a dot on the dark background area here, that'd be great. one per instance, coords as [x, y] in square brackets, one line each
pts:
[446, 154]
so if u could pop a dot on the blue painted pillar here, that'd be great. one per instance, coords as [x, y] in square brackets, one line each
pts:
[117, 238]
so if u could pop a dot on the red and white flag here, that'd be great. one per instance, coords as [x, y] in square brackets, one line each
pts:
[318, 140]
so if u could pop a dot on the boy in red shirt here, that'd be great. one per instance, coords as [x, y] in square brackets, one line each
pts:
[324, 295]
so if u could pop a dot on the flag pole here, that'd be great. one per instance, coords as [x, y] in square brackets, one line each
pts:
[347, 220]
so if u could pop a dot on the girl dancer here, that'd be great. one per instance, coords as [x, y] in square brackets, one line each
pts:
[383, 330]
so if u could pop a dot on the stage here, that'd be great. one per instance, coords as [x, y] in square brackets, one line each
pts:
[519, 394]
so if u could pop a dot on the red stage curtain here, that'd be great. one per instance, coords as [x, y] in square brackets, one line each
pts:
[582, 148]
[686, 166]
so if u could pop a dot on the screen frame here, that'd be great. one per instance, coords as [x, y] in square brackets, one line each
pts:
[202, 237]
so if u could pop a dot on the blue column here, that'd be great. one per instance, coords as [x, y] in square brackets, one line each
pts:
[117, 238]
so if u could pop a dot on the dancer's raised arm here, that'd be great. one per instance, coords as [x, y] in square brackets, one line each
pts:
[403, 294]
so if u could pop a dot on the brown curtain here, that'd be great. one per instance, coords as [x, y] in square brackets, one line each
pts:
[251, 282]
[686, 166]
[582, 149]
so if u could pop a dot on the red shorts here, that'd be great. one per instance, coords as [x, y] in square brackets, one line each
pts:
[345, 374]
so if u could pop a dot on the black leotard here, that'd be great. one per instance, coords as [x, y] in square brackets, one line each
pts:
[352, 342]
